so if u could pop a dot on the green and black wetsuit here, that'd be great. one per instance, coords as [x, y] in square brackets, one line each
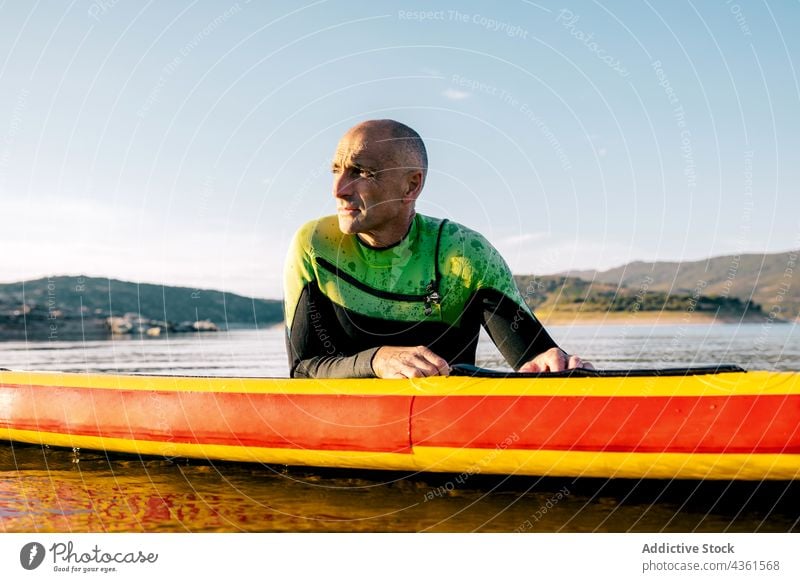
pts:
[436, 287]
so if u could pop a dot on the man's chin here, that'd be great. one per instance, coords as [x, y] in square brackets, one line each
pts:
[347, 225]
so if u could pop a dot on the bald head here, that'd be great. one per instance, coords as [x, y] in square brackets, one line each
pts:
[404, 144]
[379, 170]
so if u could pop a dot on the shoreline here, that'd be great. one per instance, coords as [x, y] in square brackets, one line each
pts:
[645, 318]
[546, 317]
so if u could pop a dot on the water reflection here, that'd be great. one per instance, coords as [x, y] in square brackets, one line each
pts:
[47, 491]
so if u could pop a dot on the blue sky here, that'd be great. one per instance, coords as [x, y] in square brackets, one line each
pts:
[184, 142]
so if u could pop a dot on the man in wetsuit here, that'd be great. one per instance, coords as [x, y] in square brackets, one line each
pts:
[379, 290]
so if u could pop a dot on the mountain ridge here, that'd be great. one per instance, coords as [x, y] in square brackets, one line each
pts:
[763, 278]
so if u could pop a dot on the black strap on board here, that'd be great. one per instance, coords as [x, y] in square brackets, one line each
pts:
[476, 372]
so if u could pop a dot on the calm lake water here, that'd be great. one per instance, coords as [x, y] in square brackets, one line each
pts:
[45, 489]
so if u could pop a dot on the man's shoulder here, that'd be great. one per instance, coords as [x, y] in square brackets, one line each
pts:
[310, 233]
[468, 255]
[450, 228]
[457, 238]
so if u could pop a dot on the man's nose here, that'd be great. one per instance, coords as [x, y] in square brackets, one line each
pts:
[342, 185]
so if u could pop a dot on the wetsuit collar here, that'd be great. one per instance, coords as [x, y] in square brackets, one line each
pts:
[409, 236]
[384, 257]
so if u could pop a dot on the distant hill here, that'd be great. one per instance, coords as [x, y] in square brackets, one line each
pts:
[63, 300]
[771, 280]
[562, 294]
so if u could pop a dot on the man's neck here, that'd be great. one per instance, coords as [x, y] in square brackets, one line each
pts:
[389, 238]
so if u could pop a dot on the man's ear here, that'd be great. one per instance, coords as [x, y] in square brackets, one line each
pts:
[413, 186]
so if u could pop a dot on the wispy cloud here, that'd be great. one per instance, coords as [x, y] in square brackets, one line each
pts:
[431, 71]
[455, 94]
[521, 238]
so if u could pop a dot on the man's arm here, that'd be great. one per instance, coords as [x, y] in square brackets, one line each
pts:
[522, 340]
[356, 366]
[513, 328]
[314, 343]
[516, 332]
[315, 346]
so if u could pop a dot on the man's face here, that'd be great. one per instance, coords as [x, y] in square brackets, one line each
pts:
[368, 184]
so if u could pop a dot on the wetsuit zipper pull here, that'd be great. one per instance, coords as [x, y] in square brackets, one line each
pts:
[432, 298]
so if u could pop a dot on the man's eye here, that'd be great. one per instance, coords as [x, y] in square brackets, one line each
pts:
[365, 173]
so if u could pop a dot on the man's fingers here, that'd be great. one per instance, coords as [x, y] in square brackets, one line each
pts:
[427, 359]
[420, 371]
[419, 362]
[440, 363]
[554, 360]
[530, 368]
[574, 362]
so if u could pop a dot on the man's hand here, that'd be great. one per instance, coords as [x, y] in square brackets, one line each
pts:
[554, 360]
[404, 362]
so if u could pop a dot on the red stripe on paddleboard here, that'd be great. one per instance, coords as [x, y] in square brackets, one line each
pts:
[699, 424]
[315, 422]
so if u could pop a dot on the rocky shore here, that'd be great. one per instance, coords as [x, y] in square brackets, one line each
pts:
[36, 322]
[136, 324]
